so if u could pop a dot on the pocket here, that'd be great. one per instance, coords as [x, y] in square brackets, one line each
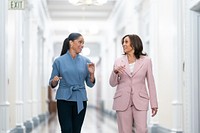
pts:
[144, 95]
[118, 94]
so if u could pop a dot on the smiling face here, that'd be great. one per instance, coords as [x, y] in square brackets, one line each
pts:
[126, 44]
[77, 44]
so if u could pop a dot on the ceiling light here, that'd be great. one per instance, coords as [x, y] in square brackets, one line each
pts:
[87, 2]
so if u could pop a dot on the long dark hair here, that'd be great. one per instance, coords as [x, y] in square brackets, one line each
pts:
[136, 44]
[66, 46]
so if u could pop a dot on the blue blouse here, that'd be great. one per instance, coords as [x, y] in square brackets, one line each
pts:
[75, 74]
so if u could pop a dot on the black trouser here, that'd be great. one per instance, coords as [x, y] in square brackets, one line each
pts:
[69, 119]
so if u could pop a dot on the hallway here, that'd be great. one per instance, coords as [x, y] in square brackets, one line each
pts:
[95, 122]
[31, 38]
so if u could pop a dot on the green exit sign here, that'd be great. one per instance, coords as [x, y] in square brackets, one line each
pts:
[16, 4]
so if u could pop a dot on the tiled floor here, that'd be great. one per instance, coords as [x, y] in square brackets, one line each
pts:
[94, 122]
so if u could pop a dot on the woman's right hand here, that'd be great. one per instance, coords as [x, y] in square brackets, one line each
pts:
[119, 69]
[55, 80]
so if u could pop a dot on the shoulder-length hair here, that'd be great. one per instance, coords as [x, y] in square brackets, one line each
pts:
[136, 44]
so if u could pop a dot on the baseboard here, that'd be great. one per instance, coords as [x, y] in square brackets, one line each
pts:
[155, 128]
[29, 125]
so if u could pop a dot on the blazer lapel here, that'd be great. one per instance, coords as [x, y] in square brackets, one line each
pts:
[138, 65]
[124, 61]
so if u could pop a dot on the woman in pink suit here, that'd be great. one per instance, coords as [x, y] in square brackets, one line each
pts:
[130, 74]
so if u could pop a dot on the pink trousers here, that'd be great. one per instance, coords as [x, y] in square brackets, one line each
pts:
[130, 118]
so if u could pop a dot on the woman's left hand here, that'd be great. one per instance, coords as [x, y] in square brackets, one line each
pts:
[91, 68]
[154, 111]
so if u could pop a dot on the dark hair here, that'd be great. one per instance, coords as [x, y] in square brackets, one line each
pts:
[71, 37]
[136, 44]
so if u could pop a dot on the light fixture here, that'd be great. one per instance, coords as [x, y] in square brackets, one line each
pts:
[87, 2]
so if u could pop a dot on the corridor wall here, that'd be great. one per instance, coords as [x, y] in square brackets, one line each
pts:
[25, 66]
[169, 30]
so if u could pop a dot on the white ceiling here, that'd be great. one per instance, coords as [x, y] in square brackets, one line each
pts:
[86, 19]
[62, 10]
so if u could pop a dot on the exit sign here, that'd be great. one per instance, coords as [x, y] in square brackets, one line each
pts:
[16, 4]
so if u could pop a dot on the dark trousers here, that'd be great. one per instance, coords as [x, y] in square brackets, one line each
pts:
[69, 119]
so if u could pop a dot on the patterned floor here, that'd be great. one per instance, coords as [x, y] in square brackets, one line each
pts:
[94, 122]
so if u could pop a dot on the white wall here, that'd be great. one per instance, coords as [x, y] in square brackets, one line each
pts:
[27, 55]
[191, 74]
[160, 25]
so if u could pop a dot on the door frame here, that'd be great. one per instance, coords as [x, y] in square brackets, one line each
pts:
[194, 64]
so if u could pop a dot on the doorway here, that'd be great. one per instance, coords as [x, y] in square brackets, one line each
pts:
[198, 43]
[195, 68]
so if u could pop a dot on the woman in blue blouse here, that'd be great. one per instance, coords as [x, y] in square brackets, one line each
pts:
[72, 71]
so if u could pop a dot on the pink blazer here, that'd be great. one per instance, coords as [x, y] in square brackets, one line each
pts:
[131, 86]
